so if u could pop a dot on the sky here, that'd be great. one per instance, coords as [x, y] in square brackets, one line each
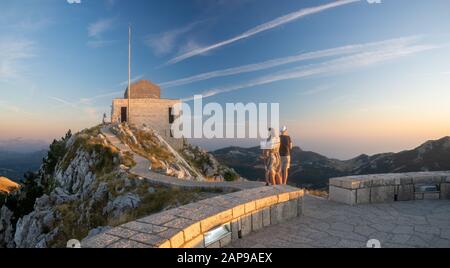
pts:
[351, 76]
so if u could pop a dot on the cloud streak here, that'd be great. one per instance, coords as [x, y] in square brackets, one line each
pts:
[96, 31]
[340, 65]
[164, 43]
[263, 27]
[97, 28]
[12, 54]
[392, 43]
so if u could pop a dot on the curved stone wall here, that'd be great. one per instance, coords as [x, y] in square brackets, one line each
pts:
[185, 227]
[392, 187]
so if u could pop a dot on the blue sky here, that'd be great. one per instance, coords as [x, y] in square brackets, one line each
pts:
[351, 77]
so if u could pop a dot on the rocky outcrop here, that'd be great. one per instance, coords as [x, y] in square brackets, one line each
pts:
[6, 228]
[121, 204]
[84, 187]
[208, 165]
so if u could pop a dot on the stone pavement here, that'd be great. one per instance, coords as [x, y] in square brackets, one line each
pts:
[424, 223]
[142, 169]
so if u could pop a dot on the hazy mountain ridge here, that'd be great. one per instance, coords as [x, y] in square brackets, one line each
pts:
[313, 170]
[14, 164]
[22, 145]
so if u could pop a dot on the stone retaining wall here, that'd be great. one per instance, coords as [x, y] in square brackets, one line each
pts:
[185, 227]
[382, 188]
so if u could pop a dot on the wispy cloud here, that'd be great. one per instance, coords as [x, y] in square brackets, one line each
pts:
[13, 53]
[263, 27]
[97, 30]
[84, 106]
[340, 65]
[392, 43]
[164, 43]
[67, 103]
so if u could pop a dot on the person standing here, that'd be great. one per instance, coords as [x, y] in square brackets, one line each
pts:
[285, 154]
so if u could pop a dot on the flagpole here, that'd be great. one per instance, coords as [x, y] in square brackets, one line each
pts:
[129, 73]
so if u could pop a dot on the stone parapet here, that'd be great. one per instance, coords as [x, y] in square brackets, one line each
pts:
[381, 188]
[241, 212]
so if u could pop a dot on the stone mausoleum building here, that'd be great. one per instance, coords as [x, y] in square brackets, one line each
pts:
[146, 109]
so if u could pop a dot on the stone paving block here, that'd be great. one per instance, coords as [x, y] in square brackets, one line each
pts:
[250, 206]
[143, 227]
[100, 241]
[121, 232]
[351, 184]
[125, 243]
[175, 236]
[382, 194]
[283, 197]
[267, 201]
[196, 242]
[200, 214]
[266, 217]
[405, 192]
[218, 219]
[257, 220]
[445, 190]
[238, 211]
[427, 179]
[276, 214]
[191, 231]
[246, 225]
[363, 196]
[292, 208]
[431, 196]
[342, 195]
[149, 239]
[235, 228]
[158, 219]
[218, 201]
[179, 223]
[296, 194]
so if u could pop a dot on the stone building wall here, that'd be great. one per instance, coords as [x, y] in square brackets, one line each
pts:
[153, 113]
[143, 89]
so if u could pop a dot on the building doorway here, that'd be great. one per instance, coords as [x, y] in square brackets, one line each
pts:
[123, 114]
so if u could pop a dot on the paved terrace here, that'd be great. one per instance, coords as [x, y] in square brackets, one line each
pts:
[424, 223]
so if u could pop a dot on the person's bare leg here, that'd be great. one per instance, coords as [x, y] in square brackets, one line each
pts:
[272, 178]
[279, 179]
[285, 175]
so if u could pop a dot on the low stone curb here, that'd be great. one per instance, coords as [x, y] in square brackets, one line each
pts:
[184, 227]
[392, 187]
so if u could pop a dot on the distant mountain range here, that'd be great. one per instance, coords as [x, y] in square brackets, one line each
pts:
[14, 164]
[22, 145]
[313, 170]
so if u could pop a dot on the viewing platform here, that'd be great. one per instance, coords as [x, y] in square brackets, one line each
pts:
[381, 188]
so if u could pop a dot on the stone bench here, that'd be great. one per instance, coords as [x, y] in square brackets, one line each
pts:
[391, 187]
[238, 213]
